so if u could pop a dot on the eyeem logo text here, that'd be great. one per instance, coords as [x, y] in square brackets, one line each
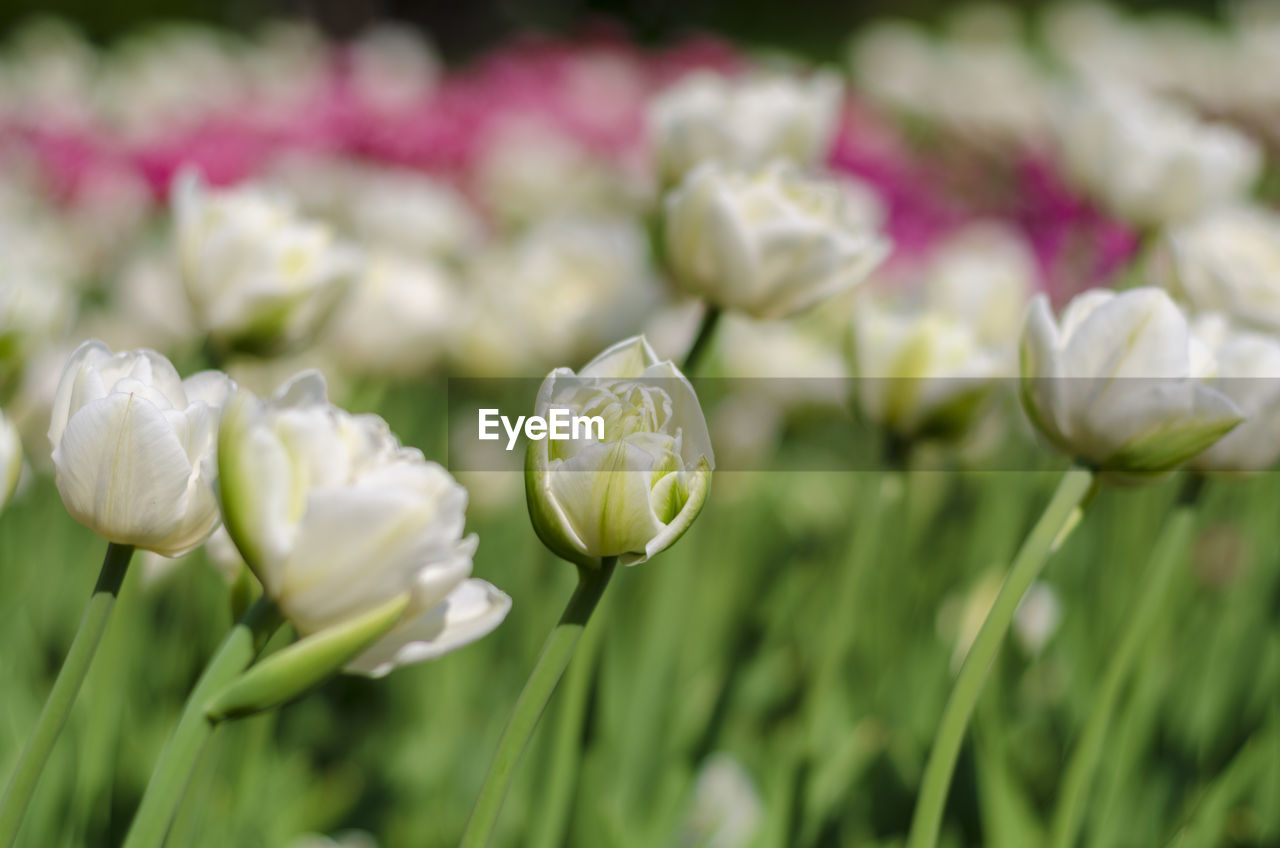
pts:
[561, 424]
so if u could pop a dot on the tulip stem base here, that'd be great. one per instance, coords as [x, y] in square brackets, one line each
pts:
[710, 320]
[1167, 558]
[537, 691]
[182, 751]
[63, 695]
[1074, 491]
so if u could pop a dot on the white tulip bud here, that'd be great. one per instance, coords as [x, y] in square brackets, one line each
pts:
[631, 486]
[1150, 161]
[1114, 383]
[773, 242]
[1247, 370]
[260, 278]
[10, 459]
[1229, 261]
[134, 447]
[743, 123]
[337, 520]
[920, 373]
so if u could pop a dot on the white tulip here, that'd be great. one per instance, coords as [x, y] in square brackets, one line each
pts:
[399, 319]
[1114, 383]
[337, 519]
[1247, 370]
[260, 278]
[134, 447]
[530, 169]
[983, 276]
[920, 372]
[1150, 161]
[10, 459]
[636, 490]
[1229, 261]
[773, 242]
[561, 290]
[743, 123]
[407, 212]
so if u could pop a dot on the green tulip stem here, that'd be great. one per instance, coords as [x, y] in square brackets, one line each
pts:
[538, 689]
[1165, 564]
[710, 320]
[1063, 513]
[182, 751]
[63, 695]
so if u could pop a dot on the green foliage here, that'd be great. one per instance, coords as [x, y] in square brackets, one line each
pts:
[715, 646]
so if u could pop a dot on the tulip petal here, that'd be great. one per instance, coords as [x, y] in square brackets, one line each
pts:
[699, 487]
[604, 492]
[471, 611]
[88, 353]
[122, 471]
[627, 358]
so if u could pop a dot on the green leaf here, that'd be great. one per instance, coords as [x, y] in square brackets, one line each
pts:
[305, 664]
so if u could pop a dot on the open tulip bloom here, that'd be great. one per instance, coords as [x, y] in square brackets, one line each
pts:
[336, 519]
[357, 541]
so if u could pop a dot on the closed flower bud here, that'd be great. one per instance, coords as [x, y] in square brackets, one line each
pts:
[10, 459]
[1148, 160]
[630, 487]
[134, 447]
[1247, 370]
[1114, 383]
[773, 242]
[338, 521]
[920, 372]
[743, 123]
[260, 278]
[1228, 261]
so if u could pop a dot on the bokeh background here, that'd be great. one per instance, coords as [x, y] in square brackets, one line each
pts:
[773, 680]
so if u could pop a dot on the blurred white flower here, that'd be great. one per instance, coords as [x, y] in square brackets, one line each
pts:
[634, 491]
[400, 318]
[168, 78]
[559, 291]
[1150, 161]
[10, 459]
[792, 362]
[1228, 261]
[337, 519]
[1037, 618]
[134, 447]
[345, 839]
[409, 213]
[920, 372]
[34, 313]
[726, 810]
[393, 67]
[530, 169]
[988, 89]
[260, 278]
[1116, 384]
[743, 123]
[983, 275]
[773, 242]
[1246, 370]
